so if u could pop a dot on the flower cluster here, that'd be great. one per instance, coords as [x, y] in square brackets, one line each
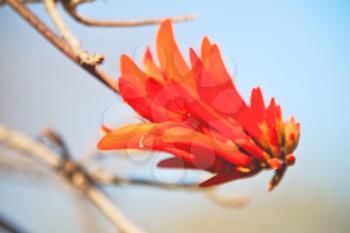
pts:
[195, 113]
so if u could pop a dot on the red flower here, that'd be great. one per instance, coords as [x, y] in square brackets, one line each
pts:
[196, 114]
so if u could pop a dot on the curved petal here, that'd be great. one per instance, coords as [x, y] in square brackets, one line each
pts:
[151, 69]
[142, 103]
[215, 85]
[162, 136]
[130, 71]
[133, 89]
[227, 177]
[205, 48]
[170, 58]
[176, 163]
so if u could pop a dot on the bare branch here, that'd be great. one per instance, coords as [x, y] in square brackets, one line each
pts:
[9, 226]
[72, 172]
[2, 2]
[71, 8]
[23, 11]
[58, 141]
[213, 193]
[24, 144]
[105, 179]
[72, 41]
[23, 168]
[108, 208]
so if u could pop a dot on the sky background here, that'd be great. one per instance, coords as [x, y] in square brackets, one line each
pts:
[297, 51]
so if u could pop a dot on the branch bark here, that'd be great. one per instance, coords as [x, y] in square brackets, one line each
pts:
[68, 36]
[35, 22]
[72, 173]
[71, 8]
[9, 226]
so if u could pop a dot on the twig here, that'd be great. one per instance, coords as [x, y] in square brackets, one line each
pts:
[23, 11]
[72, 41]
[73, 173]
[86, 217]
[58, 141]
[23, 144]
[9, 226]
[108, 209]
[119, 180]
[213, 194]
[71, 8]
[22, 167]
[2, 2]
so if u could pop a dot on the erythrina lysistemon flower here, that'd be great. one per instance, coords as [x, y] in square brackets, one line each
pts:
[195, 113]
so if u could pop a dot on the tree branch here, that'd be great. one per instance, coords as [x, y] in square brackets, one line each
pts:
[105, 179]
[9, 226]
[72, 41]
[23, 11]
[2, 2]
[71, 8]
[73, 173]
[58, 141]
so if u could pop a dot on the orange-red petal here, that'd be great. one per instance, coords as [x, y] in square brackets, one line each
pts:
[162, 136]
[169, 55]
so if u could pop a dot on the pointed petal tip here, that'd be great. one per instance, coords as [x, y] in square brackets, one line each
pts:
[257, 89]
[273, 102]
[101, 145]
[171, 163]
[207, 184]
[215, 49]
[256, 93]
[165, 27]
[192, 52]
[148, 53]
[105, 130]
[193, 57]
[124, 63]
[206, 41]
[166, 22]
[124, 58]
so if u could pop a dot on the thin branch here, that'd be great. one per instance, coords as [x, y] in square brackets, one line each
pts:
[23, 168]
[33, 20]
[110, 211]
[213, 194]
[58, 141]
[71, 8]
[2, 2]
[72, 41]
[9, 226]
[24, 144]
[106, 179]
[86, 217]
[73, 173]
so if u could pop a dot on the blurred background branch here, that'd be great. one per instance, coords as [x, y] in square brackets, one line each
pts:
[2, 2]
[8, 226]
[73, 173]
